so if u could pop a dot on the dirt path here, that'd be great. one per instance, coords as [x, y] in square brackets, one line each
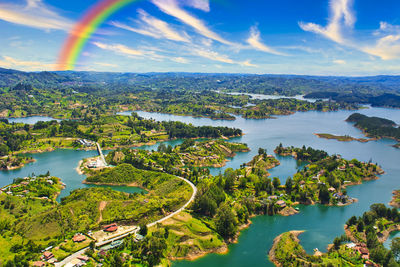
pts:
[102, 206]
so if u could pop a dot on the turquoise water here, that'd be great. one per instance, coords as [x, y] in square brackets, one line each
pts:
[61, 163]
[392, 236]
[321, 223]
[31, 120]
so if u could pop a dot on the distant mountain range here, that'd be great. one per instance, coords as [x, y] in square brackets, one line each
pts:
[249, 83]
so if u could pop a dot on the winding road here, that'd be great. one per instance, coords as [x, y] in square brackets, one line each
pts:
[82, 251]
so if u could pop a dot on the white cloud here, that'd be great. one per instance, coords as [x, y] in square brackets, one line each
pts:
[206, 42]
[155, 28]
[34, 14]
[9, 62]
[119, 49]
[172, 8]
[215, 56]
[341, 22]
[106, 64]
[387, 47]
[341, 16]
[199, 4]
[339, 61]
[255, 42]
[180, 60]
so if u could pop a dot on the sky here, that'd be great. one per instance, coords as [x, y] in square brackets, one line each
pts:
[307, 37]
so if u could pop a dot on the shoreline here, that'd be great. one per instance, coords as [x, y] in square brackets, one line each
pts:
[393, 202]
[382, 236]
[271, 253]
[19, 166]
[150, 143]
[343, 138]
[221, 250]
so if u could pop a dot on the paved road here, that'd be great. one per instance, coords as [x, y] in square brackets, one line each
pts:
[182, 208]
[71, 257]
[82, 251]
[101, 154]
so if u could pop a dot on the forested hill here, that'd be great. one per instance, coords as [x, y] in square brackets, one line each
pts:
[375, 126]
[250, 83]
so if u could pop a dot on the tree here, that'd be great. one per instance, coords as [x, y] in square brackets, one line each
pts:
[360, 226]
[288, 185]
[337, 242]
[3, 149]
[352, 221]
[276, 182]
[380, 209]
[154, 249]
[324, 195]
[143, 229]
[395, 247]
[262, 151]
[226, 222]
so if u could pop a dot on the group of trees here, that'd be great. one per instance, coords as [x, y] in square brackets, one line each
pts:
[304, 154]
[176, 129]
[370, 223]
[375, 126]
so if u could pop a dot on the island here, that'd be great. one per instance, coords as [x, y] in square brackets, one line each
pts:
[181, 160]
[12, 162]
[376, 127]
[362, 245]
[326, 177]
[343, 138]
[109, 131]
[395, 202]
[373, 127]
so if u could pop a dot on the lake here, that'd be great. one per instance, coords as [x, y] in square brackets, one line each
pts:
[31, 120]
[322, 224]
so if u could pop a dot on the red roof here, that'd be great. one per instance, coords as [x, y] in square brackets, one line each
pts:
[109, 225]
[39, 263]
[48, 255]
[83, 258]
[79, 238]
[364, 251]
[111, 229]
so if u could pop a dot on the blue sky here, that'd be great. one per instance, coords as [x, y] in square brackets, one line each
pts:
[315, 37]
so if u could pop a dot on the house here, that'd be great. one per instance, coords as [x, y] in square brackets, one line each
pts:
[138, 237]
[110, 228]
[331, 189]
[75, 263]
[364, 252]
[38, 264]
[351, 245]
[281, 203]
[47, 255]
[102, 252]
[342, 168]
[272, 197]
[79, 238]
[83, 258]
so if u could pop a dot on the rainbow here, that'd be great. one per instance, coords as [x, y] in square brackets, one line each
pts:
[84, 29]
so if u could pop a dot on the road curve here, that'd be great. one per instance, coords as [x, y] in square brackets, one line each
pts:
[82, 251]
[182, 208]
